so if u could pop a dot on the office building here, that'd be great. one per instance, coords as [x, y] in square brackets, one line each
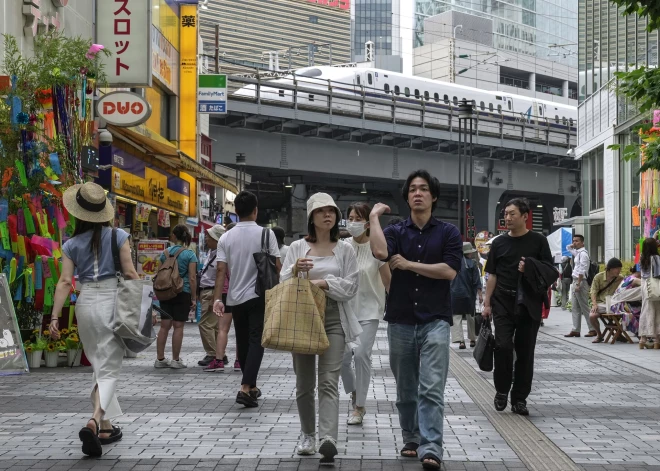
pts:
[546, 29]
[279, 34]
[377, 21]
[609, 42]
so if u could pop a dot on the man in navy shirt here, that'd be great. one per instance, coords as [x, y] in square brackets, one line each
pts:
[424, 255]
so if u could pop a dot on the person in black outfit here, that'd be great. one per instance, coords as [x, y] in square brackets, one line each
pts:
[513, 320]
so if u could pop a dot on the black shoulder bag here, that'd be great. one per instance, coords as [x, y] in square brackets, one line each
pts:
[267, 276]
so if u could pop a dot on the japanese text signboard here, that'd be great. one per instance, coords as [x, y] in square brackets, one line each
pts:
[212, 94]
[124, 28]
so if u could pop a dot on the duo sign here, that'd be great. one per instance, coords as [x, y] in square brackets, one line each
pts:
[123, 108]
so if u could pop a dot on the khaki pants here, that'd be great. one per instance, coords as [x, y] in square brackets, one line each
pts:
[208, 324]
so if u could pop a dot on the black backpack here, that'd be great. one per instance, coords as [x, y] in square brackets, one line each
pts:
[593, 271]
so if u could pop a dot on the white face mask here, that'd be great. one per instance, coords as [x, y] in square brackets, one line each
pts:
[356, 229]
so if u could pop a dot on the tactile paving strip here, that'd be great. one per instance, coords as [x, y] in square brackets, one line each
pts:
[533, 448]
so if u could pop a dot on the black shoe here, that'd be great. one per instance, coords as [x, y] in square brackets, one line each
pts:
[206, 361]
[246, 400]
[519, 408]
[500, 401]
[255, 393]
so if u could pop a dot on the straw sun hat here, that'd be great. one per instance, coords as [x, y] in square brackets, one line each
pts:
[88, 202]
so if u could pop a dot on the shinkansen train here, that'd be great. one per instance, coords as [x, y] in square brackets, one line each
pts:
[436, 95]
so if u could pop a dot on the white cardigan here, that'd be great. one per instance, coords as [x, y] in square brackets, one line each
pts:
[341, 289]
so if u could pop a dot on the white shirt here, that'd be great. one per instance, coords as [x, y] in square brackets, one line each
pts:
[208, 278]
[236, 248]
[283, 250]
[580, 262]
[342, 288]
[323, 267]
[369, 303]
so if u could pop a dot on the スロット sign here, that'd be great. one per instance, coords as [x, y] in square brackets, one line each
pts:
[123, 108]
[212, 93]
[124, 28]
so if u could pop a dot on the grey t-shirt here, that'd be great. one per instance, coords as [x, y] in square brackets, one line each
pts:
[79, 250]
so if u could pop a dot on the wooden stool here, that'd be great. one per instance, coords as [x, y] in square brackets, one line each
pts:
[613, 329]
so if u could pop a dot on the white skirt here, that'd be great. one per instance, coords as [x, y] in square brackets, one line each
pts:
[94, 312]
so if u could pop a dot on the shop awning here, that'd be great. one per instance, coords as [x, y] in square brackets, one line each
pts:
[589, 220]
[164, 151]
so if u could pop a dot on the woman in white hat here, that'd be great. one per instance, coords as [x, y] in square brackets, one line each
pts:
[89, 252]
[332, 266]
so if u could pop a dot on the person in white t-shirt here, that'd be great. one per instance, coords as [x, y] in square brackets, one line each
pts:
[235, 253]
[368, 305]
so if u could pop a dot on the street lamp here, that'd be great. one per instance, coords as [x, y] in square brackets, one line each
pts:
[241, 162]
[465, 114]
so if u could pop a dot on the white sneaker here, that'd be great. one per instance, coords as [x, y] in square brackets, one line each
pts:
[307, 445]
[178, 364]
[162, 363]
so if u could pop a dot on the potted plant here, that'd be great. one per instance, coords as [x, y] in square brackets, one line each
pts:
[52, 349]
[29, 321]
[34, 348]
[73, 346]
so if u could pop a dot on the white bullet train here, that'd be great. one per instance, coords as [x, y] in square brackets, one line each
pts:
[437, 96]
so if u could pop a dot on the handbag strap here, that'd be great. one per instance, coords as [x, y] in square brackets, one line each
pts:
[265, 240]
[115, 254]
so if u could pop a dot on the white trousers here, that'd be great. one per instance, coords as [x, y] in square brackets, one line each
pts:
[360, 379]
[94, 312]
[457, 328]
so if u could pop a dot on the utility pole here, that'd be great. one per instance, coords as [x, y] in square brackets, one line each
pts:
[217, 48]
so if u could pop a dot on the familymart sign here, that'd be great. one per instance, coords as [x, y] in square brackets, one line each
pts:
[212, 94]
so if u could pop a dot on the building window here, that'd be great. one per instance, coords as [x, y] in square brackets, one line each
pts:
[281, 93]
[311, 97]
[594, 170]
[313, 19]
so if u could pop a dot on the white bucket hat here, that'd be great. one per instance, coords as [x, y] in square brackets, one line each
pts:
[87, 202]
[321, 200]
[216, 232]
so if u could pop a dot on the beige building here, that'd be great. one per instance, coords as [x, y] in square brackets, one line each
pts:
[301, 32]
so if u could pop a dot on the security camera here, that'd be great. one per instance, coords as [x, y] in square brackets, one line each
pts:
[105, 138]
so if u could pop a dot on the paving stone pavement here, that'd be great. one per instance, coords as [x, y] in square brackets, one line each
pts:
[602, 412]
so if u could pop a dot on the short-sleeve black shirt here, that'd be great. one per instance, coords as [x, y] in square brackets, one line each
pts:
[506, 252]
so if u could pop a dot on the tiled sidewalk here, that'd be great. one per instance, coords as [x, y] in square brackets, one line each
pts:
[601, 412]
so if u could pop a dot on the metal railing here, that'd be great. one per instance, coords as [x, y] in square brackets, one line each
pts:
[370, 104]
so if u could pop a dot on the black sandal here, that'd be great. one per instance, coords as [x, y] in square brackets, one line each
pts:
[91, 445]
[115, 435]
[461, 345]
[410, 447]
[435, 463]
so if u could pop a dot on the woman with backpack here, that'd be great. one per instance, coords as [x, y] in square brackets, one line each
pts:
[175, 285]
[89, 252]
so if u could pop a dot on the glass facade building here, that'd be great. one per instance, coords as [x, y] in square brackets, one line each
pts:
[541, 28]
[377, 21]
[609, 42]
[373, 22]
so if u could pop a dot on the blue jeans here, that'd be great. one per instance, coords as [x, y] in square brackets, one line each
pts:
[419, 358]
